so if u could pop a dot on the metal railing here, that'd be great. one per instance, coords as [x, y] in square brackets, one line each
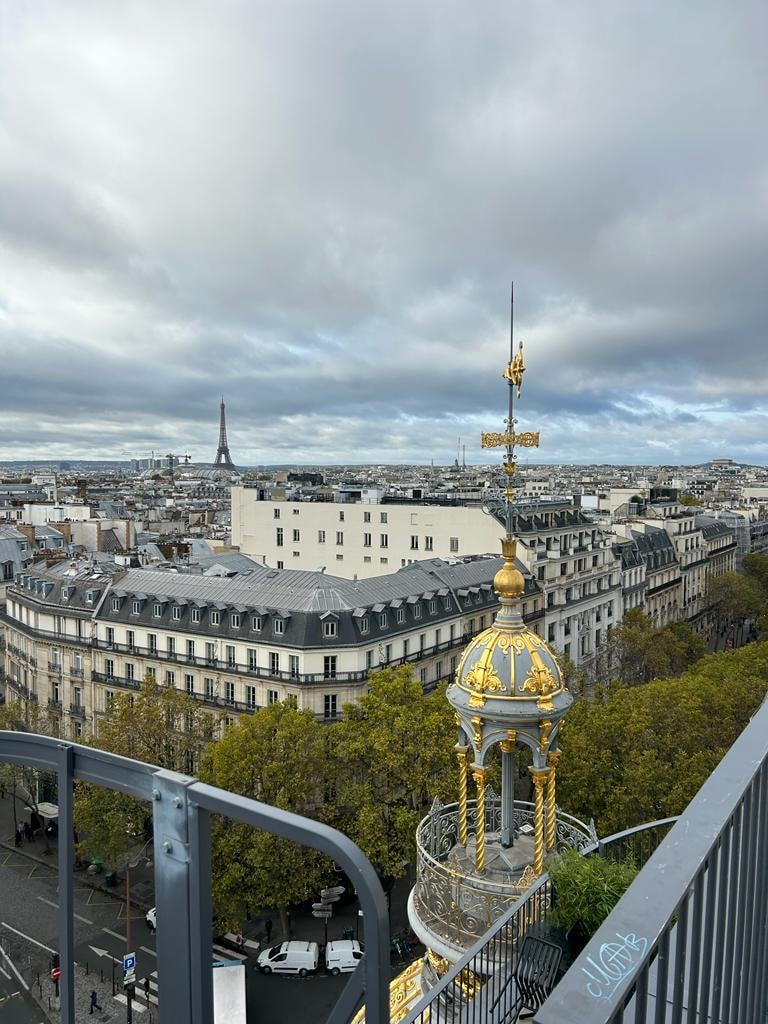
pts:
[181, 809]
[688, 940]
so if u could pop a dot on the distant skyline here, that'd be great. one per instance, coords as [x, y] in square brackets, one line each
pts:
[316, 210]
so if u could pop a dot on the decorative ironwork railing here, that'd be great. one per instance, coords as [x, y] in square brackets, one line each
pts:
[461, 907]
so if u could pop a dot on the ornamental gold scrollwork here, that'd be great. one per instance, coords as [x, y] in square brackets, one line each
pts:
[477, 725]
[439, 964]
[484, 679]
[540, 681]
[528, 877]
[545, 728]
[403, 990]
[528, 439]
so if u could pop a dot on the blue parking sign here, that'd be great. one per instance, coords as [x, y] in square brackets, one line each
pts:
[129, 962]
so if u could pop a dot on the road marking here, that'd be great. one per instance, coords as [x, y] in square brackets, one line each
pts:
[79, 916]
[113, 934]
[150, 951]
[28, 938]
[136, 1005]
[104, 952]
[12, 965]
[5, 973]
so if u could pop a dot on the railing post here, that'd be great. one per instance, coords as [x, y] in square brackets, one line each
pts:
[66, 899]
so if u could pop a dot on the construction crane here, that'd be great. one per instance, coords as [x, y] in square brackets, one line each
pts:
[170, 456]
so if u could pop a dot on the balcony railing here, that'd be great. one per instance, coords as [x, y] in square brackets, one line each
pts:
[688, 940]
[181, 810]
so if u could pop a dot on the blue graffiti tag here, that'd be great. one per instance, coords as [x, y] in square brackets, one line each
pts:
[614, 962]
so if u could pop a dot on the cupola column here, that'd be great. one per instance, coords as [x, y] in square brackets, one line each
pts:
[539, 777]
[479, 774]
[552, 760]
[462, 757]
[508, 789]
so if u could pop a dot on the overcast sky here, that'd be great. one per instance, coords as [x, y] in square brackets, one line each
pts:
[316, 207]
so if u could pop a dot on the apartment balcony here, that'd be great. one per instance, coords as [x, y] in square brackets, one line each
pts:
[76, 671]
[54, 705]
[77, 710]
[454, 903]
[55, 666]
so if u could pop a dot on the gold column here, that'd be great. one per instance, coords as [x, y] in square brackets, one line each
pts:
[539, 777]
[461, 754]
[552, 760]
[479, 776]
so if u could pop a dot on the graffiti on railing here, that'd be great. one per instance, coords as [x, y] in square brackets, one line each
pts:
[614, 962]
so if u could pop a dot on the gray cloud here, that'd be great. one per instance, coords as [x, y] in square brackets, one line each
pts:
[316, 210]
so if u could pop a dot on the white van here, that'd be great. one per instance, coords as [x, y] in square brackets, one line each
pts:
[343, 955]
[290, 958]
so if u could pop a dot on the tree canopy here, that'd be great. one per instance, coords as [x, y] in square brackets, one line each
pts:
[636, 651]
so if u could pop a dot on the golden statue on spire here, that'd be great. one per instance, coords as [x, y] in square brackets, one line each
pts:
[515, 370]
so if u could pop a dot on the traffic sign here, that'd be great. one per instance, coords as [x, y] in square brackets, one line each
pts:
[129, 979]
[321, 906]
[335, 890]
[129, 963]
[322, 913]
[56, 973]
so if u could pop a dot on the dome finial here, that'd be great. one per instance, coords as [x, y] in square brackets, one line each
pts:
[508, 581]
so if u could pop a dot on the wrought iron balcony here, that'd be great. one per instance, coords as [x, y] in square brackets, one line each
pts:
[455, 903]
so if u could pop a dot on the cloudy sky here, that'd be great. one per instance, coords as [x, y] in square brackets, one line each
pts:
[315, 207]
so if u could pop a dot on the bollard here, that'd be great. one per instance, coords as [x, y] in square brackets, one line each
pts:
[86, 968]
[101, 975]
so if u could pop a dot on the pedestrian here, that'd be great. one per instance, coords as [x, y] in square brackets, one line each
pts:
[28, 831]
[146, 988]
[18, 834]
[94, 1002]
[268, 928]
[239, 942]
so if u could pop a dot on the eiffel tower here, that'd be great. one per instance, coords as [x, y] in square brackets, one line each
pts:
[223, 458]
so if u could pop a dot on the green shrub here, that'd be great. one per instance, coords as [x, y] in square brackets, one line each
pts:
[587, 889]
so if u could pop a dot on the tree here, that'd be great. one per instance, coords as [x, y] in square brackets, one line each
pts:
[733, 598]
[636, 651]
[638, 754]
[159, 725]
[278, 755]
[394, 754]
[756, 569]
[19, 779]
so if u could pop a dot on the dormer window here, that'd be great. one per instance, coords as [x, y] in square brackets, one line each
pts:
[364, 625]
[195, 614]
[215, 617]
[176, 613]
[234, 621]
[401, 615]
[432, 607]
[329, 629]
[256, 623]
[278, 627]
[382, 620]
[447, 603]
[89, 595]
[417, 611]
[115, 604]
[157, 610]
[135, 607]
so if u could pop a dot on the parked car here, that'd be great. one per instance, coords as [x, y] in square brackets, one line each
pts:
[151, 919]
[290, 958]
[343, 955]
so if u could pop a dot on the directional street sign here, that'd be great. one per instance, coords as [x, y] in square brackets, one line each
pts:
[322, 913]
[321, 906]
[334, 891]
[129, 963]
[129, 979]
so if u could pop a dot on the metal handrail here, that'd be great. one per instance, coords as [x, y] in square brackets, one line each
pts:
[181, 809]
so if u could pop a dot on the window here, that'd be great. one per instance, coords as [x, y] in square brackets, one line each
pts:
[208, 688]
[414, 542]
[293, 665]
[176, 613]
[109, 668]
[366, 517]
[296, 536]
[339, 558]
[329, 666]
[417, 610]
[563, 568]
[364, 624]
[152, 642]
[215, 617]
[366, 558]
[406, 646]
[115, 604]
[384, 561]
[432, 607]
[422, 675]
[422, 641]
[295, 511]
[234, 620]
[438, 669]
[329, 705]
[252, 659]
[428, 544]
[482, 623]
[274, 662]
[278, 626]
[189, 683]
[171, 646]
[329, 629]
[279, 536]
[157, 610]
[339, 537]
[276, 513]
[383, 517]
[78, 665]
[170, 677]
[130, 670]
[78, 729]
[383, 620]
[135, 607]
[130, 639]
[453, 544]
[231, 662]
[272, 697]
[400, 616]
[369, 659]
[256, 623]
[110, 640]
[439, 634]
[321, 536]
[388, 653]
[229, 692]
[384, 540]
[195, 614]
[210, 653]
[366, 540]
[250, 697]
[190, 650]
[341, 517]
[281, 565]
[551, 633]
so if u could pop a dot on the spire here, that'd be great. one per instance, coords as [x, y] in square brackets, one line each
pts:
[223, 458]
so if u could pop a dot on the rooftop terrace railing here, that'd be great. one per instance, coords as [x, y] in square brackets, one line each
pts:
[181, 809]
[689, 939]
